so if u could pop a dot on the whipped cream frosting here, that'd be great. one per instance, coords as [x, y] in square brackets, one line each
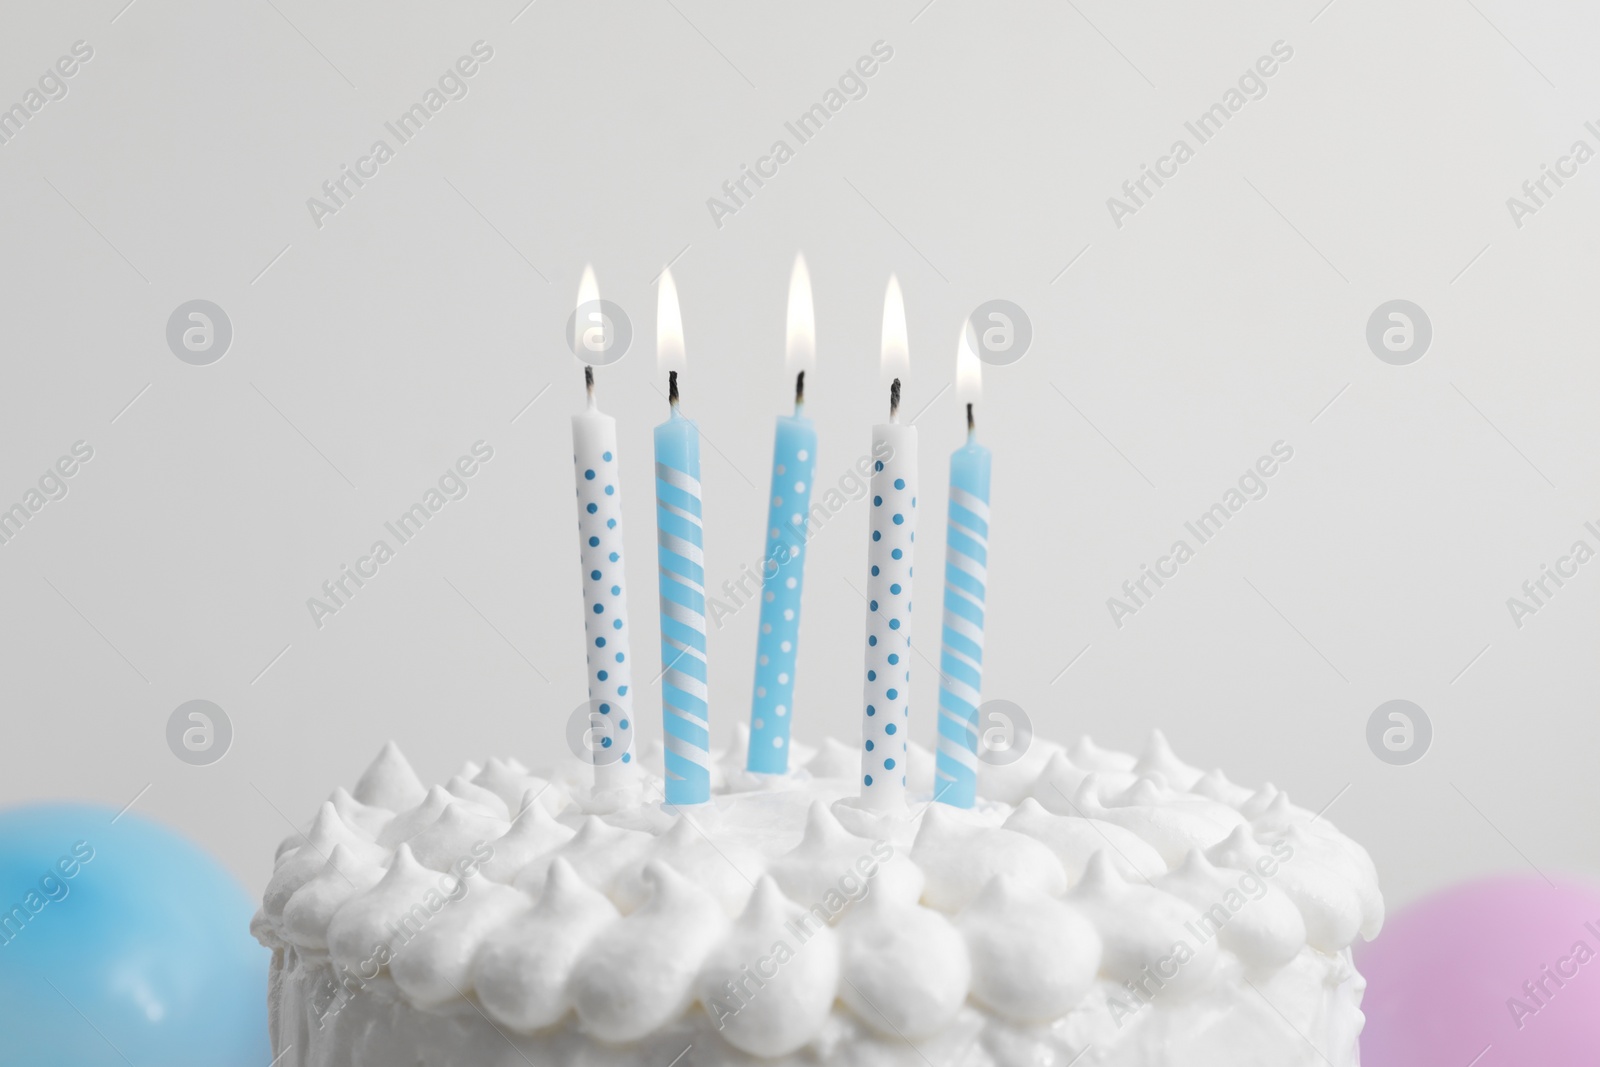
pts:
[521, 975]
[1092, 900]
[790, 958]
[1140, 925]
[1033, 957]
[638, 973]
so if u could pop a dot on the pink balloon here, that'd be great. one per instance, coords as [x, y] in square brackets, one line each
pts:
[1494, 973]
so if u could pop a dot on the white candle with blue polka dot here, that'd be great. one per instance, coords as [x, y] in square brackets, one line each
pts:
[966, 579]
[680, 554]
[794, 462]
[892, 523]
[605, 601]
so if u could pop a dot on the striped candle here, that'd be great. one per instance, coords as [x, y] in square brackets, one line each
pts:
[783, 569]
[966, 571]
[680, 553]
[892, 521]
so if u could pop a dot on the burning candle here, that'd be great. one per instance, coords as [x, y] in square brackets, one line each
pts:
[892, 521]
[966, 573]
[605, 614]
[794, 461]
[680, 553]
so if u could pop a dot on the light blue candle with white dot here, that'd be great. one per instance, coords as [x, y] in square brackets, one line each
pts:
[605, 601]
[783, 567]
[966, 576]
[794, 461]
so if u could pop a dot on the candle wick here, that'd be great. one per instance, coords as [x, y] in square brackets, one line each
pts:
[894, 401]
[588, 384]
[972, 424]
[799, 391]
[672, 389]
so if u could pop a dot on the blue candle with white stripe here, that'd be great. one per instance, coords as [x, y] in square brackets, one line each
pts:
[680, 553]
[966, 574]
[794, 462]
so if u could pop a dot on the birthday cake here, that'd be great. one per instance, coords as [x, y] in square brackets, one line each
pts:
[1093, 908]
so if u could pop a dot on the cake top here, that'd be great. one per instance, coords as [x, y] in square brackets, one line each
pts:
[538, 896]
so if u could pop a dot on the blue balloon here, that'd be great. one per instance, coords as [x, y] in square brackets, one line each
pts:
[123, 943]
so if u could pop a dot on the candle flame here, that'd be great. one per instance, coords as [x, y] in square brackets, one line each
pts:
[800, 351]
[669, 327]
[588, 288]
[896, 353]
[969, 371]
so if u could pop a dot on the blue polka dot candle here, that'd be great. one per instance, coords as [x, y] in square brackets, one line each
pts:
[892, 525]
[605, 601]
[794, 463]
[680, 553]
[966, 578]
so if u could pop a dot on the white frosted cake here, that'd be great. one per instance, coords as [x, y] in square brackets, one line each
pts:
[1093, 909]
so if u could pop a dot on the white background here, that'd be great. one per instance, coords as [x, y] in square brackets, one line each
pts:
[1227, 314]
